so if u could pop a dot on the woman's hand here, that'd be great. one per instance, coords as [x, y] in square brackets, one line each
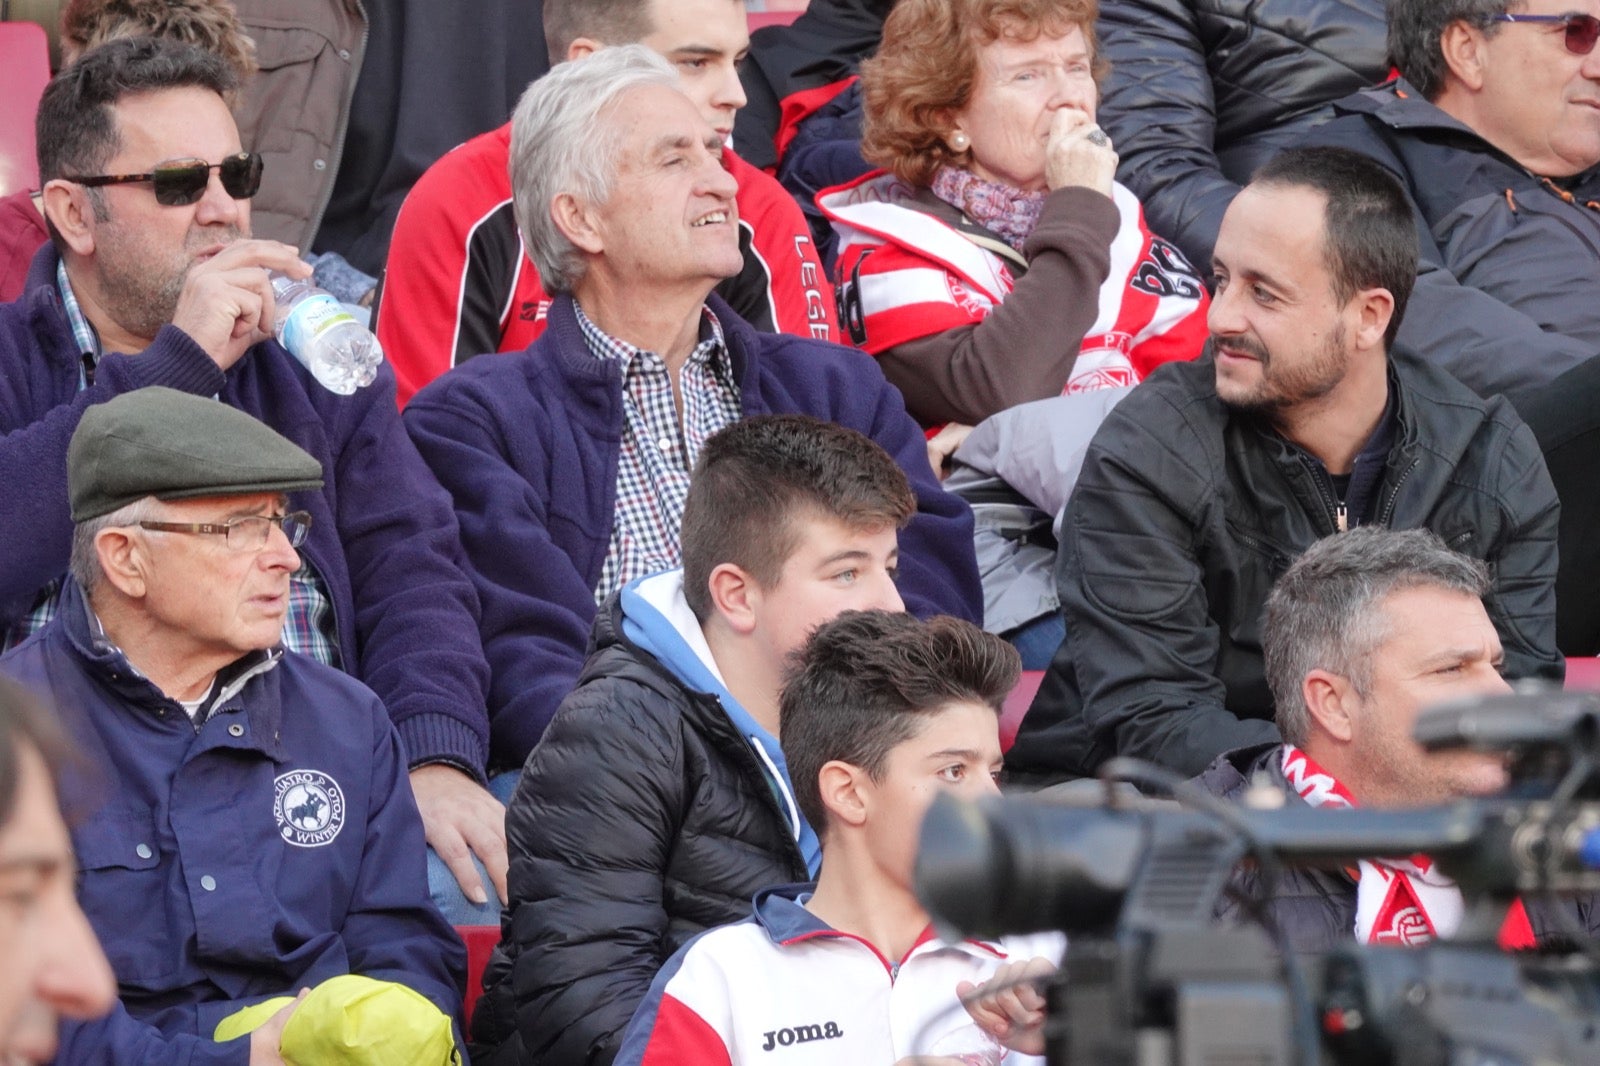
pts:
[1071, 158]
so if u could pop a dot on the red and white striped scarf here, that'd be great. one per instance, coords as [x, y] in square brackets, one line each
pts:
[1398, 901]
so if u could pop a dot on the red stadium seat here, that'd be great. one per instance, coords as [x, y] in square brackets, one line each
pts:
[24, 72]
[1583, 675]
[1016, 706]
[760, 19]
[480, 941]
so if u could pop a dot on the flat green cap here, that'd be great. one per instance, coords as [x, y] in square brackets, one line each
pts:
[175, 446]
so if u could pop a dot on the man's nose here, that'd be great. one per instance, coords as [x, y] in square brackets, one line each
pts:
[730, 90]
[215, 205]
[279, 551]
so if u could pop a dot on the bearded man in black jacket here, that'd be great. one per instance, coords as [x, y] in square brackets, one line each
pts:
[1205, 483]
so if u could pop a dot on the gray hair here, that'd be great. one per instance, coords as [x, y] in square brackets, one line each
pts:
[1325, 613]
[561, 143]
[1415, 30]
[85, 562]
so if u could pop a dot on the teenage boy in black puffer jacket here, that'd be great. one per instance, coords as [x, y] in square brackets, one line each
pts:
[659, 802]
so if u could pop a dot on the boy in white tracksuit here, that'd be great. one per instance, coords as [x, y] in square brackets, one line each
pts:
[881, 713]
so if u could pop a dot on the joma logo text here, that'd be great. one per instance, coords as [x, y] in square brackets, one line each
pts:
[801, 1034]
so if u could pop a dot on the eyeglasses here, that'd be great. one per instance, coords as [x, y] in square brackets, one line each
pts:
[1582, 30]
[182, 183]
[247, 534]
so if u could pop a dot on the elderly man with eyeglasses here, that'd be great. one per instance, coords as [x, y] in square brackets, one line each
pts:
[1494, 127]
[152, 278]
[253, 833]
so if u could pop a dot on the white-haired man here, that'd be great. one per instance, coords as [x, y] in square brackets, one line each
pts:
[458, 282]
[569, 463]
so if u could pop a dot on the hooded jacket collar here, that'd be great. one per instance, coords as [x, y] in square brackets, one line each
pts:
[655, 617]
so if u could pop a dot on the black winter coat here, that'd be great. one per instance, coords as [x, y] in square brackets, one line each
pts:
[641, 819]
[1202, 92]
[1185, 514]
[1316, 909]
[1508, 262]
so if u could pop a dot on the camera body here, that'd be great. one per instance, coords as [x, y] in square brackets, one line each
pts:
[1152, 977]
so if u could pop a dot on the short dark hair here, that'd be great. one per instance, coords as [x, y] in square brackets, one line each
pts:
[1323, 614]
[1369, 230]
[1416, 28]
[75, 127]
[757, 477]
[864, 683]
[606, 21]
[24, 723]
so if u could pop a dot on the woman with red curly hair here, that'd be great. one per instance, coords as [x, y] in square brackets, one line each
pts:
[995, 260]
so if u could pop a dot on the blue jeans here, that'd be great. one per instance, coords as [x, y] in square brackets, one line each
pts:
[446, 891]
[1037, 641]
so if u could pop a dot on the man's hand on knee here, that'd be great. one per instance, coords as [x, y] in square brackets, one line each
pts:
[461, 819]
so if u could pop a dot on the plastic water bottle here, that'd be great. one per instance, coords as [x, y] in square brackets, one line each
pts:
[340, 352]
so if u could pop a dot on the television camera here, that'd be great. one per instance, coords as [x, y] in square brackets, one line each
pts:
[1151, 977]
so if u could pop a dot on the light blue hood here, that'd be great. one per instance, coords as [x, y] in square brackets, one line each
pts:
[657, 618]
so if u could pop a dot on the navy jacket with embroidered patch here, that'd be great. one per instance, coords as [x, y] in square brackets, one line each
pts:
[213, 876]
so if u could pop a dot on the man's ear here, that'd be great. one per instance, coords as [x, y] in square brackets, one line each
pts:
[122, 561]
[1462, 46]
[1374, 311]
[583, 47]
[735, 597]
[843, 787]
[67, 206]
[578, 222]
[1330, 699]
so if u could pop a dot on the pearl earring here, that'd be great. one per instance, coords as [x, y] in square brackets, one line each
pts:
[959, 141]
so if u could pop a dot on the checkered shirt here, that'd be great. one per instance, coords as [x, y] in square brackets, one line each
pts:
[657, 451]
[309, 627]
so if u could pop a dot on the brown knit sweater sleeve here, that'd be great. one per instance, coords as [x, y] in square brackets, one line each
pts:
[1024, 350]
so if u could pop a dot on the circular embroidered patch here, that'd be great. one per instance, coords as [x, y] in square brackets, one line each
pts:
[309, 808]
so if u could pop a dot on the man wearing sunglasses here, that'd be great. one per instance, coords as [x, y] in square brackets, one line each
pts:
[253, 833]
[152, 278]
[1494, 128]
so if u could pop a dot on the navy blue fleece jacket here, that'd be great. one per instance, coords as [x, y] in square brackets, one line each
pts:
[527, 443]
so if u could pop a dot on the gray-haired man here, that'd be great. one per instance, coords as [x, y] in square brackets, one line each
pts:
[1363, 632]
[569, 463]
[258, 834]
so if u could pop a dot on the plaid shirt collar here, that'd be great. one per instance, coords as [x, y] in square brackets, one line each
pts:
[82, 332]
[712, 349]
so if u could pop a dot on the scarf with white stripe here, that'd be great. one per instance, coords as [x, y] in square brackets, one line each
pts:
[1398, 901]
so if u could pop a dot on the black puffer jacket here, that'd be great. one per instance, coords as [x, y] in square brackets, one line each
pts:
[1202, 92]
[641, 819]
[1185, 515]
[1316, 909]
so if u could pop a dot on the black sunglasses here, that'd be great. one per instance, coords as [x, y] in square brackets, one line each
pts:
[180, 184]
[1582, 31]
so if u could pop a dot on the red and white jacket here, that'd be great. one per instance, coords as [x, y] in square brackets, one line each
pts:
[915, 276]
[784, 981]
[459, 283]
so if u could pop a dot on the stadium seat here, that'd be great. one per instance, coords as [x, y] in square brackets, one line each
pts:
[24, 72]
[759, 19]
[480, 941]
[1016, 706]
[1583, 675]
